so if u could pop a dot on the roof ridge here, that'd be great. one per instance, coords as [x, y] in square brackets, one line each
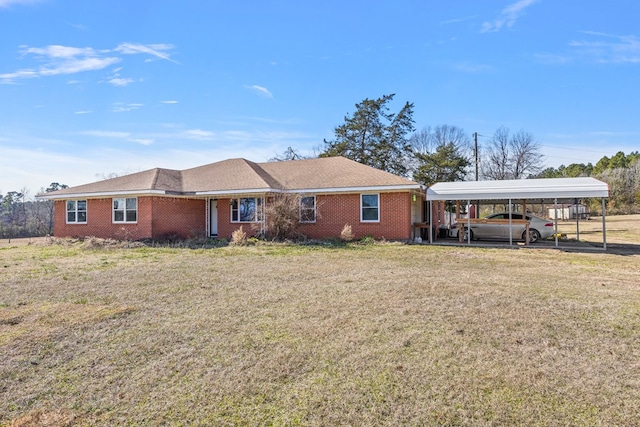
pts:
[156, 174]
[261, 172]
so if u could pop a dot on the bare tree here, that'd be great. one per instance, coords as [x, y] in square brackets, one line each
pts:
[426, 140]
[288, 154]
[496, 163]
[509, 156]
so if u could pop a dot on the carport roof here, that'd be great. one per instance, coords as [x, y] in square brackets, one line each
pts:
[529, 189]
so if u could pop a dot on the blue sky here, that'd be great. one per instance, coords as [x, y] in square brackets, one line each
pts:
[93, 88]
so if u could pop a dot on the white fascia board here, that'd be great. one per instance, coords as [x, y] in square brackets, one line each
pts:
[359, 189]
[312, 190]
[238, 191]
[101, 194]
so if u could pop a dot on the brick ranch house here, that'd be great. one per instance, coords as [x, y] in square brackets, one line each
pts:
[218, 198]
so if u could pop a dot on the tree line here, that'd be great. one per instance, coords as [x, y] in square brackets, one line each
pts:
[377, 137]
[621, 172]
[22, 217]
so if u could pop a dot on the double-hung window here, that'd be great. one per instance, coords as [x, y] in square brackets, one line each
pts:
[308, 209]
[76, 211]
[246, 209]
[370, 207]
[125, 209]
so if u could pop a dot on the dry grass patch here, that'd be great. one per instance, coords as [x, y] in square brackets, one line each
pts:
[620, 229]
[290, 335]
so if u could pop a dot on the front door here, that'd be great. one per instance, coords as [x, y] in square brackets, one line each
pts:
[213, 217]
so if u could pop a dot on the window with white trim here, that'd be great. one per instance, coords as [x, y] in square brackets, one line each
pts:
[76, 211]
[370, 207]
[246, 209]
[308, 209]
[125, 209]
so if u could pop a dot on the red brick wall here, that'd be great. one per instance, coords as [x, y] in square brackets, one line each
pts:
[226, 227]
[175, 217]
[334, 211]
[157, 217]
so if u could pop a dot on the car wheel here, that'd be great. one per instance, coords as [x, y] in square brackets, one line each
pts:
[466, 234]
[534, 235]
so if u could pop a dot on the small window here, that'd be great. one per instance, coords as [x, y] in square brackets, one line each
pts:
[125, 210]
[308, 209]
[246, 209]
[76, 211]
[369, 208]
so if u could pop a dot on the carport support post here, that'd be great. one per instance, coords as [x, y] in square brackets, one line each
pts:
[577, 221]
[468, 222]
[555, 218]
[510, 219]
[604, 226]
[431, 222]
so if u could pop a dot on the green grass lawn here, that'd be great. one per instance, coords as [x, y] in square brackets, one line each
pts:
[383, 334]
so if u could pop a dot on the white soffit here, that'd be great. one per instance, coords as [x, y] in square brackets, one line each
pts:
[546, 188]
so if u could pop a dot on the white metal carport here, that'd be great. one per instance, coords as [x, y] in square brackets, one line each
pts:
[546, 190]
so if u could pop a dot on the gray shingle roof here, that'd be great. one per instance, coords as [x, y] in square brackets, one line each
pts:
[240, 175]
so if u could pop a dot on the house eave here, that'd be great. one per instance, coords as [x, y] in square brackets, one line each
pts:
[358, 189]
[101, 194]
[237, 191]
[387, 188]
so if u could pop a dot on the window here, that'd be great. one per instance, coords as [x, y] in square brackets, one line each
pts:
[246, 209]
[125, 210]
[369, 208]
[308, 209]
[76, 211]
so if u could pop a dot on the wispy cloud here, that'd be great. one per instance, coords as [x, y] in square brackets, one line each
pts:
[7, 3]
[126, 136]
[120, 107]
[171, 101]
[106, 134]
[198, 134]
[260, 90]
[507, 17]
[457, 20]
[119, 81]
[608, 48]
[551, 58]
[83, 112]
[470, 67]
[59, 59]
[157, 50]
[142, 141]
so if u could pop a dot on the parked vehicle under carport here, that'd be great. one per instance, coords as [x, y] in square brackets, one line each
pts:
[497, 227]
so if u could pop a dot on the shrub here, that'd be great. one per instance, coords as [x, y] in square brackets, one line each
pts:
[347, 234]
[282, 217]
[239, 237]
[367, 240]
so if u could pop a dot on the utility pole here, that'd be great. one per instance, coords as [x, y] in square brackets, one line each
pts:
[475, 138]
